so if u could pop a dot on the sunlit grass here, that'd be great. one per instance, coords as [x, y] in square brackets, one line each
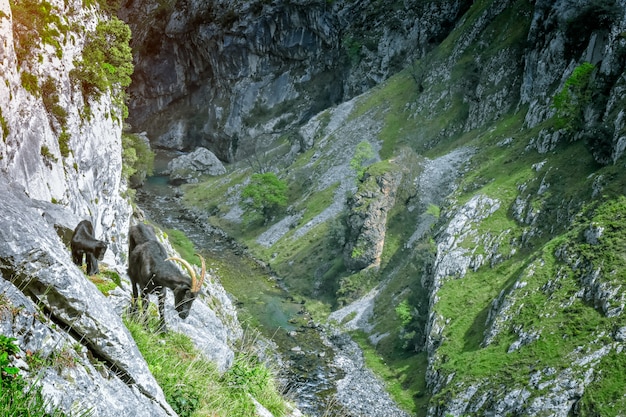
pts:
[192, 384]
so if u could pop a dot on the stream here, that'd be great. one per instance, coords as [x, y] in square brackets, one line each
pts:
[322, 370]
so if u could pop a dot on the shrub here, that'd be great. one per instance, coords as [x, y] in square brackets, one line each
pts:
[107, 61]
[50, 97]
[35, 21]
[265, 195]
[5, 126]
[362, 154]
[64, 143]
[573, 97]
[30, 83]
[137, 158]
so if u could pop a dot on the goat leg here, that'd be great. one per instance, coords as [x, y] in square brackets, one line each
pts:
[162, 327]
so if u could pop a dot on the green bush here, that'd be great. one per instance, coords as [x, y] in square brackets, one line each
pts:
[403, 311]
[573, 97]
[265, 195]
[50, 97]
[362, 154]
[137, 158]
[35, 21]
[5, 126]
[30, 83]
[107, 61]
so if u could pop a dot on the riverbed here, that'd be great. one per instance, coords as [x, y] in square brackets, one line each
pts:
[321, 368]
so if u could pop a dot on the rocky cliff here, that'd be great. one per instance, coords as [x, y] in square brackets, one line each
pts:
[491, 215]
[233, 76]
[60, 163]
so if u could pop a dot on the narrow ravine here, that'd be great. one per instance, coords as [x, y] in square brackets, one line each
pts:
[318, 366]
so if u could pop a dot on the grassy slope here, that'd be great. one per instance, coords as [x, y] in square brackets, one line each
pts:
[503, 172]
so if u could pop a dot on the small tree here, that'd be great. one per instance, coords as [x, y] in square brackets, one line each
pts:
[362, 154]
[264, 195]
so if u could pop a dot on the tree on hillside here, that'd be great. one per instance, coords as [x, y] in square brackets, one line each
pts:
[264, 196]
[362, 154]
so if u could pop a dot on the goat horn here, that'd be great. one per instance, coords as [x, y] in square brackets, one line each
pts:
[202, 274]
[192, 272]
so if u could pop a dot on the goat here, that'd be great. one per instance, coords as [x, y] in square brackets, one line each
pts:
[84, 243]
[138, 234]
[150, 272]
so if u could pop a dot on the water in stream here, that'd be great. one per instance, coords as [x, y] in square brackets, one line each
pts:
[314, 363]
[308, 373]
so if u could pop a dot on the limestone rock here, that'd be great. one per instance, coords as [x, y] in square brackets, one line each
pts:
[367, 220]
[189, 167]
[38, 273]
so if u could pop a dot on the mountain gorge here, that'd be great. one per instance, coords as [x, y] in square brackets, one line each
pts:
[454, 189]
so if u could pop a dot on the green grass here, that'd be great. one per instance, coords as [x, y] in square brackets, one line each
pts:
[193, 386]
[547, 305]
[183, 246]
[403, 374]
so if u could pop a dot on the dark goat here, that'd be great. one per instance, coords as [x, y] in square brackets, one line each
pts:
[150, 272]
[138, 234]
[84, 243]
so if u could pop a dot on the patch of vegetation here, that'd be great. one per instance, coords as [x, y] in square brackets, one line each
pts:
[18, 397]
[47, 154]
[64, 143]
[362, 155]
[106, 280]
[30, 83]
[4, 126]
[137, 158]
[605, 395]
[355, 286]
[573, 97]
[200, 390]
[183, 246]
[36, 21]
[50, 98]
[107, 61]
[264, 196]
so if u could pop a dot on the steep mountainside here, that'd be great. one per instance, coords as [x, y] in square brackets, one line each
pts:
[486, 225]
[453, 172]
[234, 75]
[62, 65]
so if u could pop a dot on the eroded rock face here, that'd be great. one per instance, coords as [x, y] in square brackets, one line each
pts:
[367, 220]
[230, 76]
[82, 174]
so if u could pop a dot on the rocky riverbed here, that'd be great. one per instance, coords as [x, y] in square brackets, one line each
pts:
[322, 369]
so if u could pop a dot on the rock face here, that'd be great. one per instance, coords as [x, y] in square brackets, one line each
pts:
[230, 76]
[367, 220]
[87, 178]
[60, 163]
[38, 274]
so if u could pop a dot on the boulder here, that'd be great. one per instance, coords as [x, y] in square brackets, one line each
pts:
[191, 166]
